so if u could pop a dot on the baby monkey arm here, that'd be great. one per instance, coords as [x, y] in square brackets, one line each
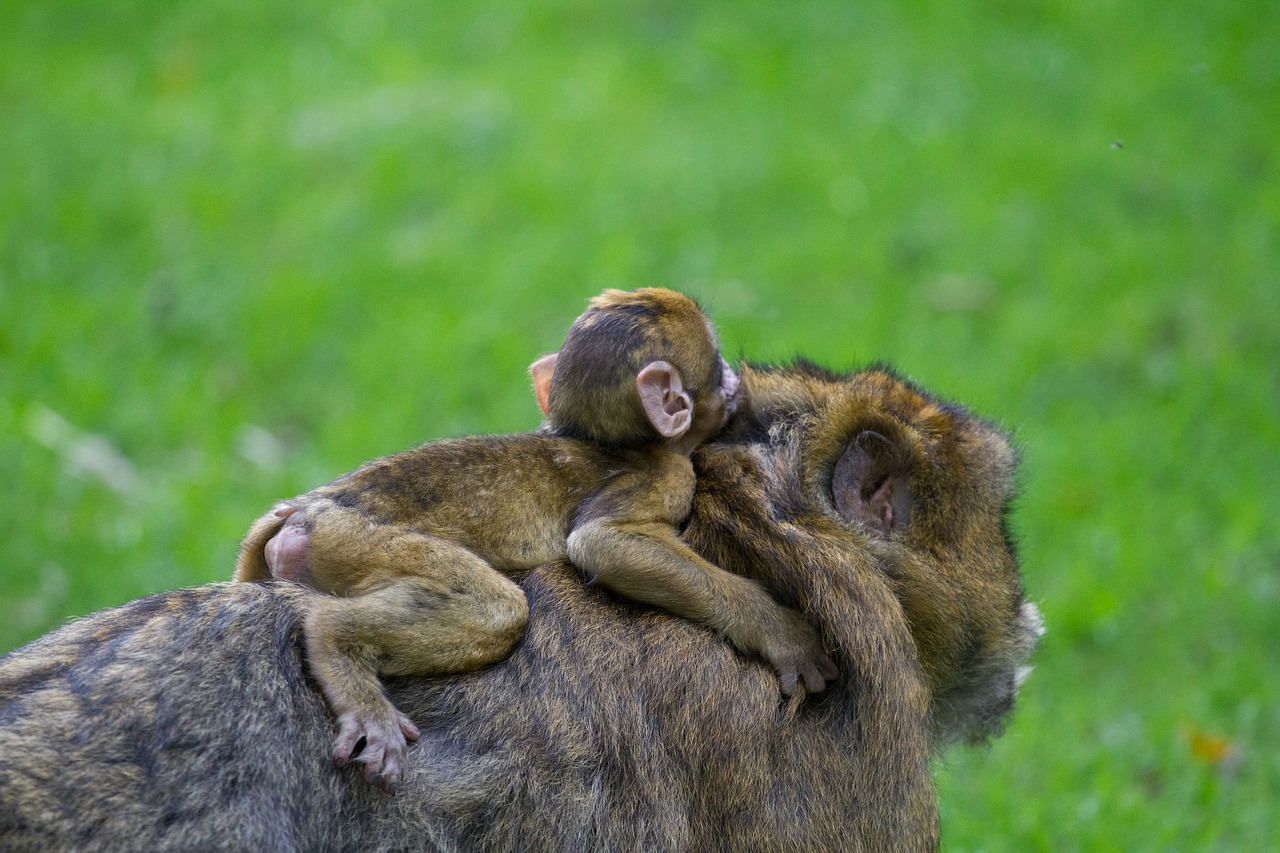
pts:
[626, 537]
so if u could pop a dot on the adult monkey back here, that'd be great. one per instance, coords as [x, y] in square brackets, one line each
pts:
[184, 721]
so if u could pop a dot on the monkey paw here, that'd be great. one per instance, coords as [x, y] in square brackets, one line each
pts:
[378, 742]
[796, 652]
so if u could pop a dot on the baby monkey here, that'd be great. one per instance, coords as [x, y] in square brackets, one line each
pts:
[412, 548]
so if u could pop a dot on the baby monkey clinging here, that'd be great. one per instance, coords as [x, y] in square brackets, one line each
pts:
[411, 548]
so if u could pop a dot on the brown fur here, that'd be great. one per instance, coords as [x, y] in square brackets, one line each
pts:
[611, 726]
[953, 566]
[408, 548]
[593, 393]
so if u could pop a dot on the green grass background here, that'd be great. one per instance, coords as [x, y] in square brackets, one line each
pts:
[245, 246]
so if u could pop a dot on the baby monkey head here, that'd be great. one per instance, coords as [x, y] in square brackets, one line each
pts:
[638, 367]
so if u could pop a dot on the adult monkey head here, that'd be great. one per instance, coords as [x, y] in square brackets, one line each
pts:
[928, 486]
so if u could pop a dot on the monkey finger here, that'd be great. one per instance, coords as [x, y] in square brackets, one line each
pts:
[384, 766]
[374, 756]
[343, 752]
[828, 668]
[373, 764]
[346, 745]
[788, 679]
[407, 727]
[391, 773]
[813, 679]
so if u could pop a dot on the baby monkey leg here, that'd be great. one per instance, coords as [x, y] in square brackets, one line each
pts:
[421, 606]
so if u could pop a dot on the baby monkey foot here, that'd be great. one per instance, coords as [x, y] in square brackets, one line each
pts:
[378, 742]
[286, 552]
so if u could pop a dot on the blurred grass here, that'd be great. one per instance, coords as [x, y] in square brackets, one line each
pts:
[244, 247]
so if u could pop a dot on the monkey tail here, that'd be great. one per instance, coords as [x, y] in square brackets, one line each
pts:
[251, 565]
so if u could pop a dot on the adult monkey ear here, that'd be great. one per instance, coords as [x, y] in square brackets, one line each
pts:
[870, 486]
[542, 370]
[663, 397]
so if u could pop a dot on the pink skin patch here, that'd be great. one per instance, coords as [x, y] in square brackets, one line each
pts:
[286, 552]
[730, 384]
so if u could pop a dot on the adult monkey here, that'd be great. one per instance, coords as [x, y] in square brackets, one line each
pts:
[184, 721]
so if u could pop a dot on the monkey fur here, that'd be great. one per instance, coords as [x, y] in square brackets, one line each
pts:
[410, 548]
[185, 720]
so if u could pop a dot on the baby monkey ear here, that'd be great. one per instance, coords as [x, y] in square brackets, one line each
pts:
[542, 370]
[665, 402]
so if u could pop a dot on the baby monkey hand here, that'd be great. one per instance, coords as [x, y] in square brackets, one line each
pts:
[795, 650]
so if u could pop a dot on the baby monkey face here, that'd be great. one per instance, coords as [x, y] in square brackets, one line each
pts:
[714, 409]
[730, 391]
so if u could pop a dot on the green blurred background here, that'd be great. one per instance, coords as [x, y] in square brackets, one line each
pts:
[246, 246]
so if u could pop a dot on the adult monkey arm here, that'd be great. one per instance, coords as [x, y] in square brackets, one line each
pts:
[611, 725]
